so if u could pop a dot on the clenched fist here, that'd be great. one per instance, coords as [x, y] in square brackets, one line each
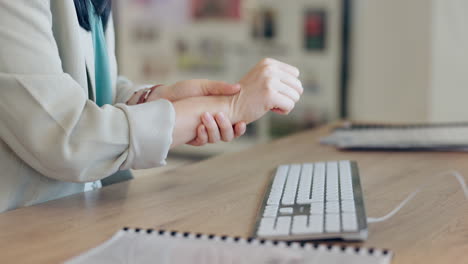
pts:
[270, 85]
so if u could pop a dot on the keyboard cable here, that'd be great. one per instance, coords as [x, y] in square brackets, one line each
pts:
[456, 174]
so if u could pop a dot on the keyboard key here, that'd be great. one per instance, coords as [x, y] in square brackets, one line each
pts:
[332, 207]
[332, 181]
[278, 185]
[318, 185]
[347, 196]
[345, 169]
[318, 195]
[316, 223]
[349, 222]
[300, 225]
[270, 211]
[283, 225]
[316, 208]
[348, 206]
[332, 195]
[268, 228]
[305, 184]
[332, 223]
[286, 210]
[290, 190]
[346, 181]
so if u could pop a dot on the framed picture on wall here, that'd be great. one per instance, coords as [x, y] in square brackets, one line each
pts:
[315, 29]
[216, 9]
[264, 24]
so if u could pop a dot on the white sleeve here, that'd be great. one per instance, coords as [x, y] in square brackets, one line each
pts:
[125, 89]
[46, 118]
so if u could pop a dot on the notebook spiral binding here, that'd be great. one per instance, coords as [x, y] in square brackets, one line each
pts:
[303, 244]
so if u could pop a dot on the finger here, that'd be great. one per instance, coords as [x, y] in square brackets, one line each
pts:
[289, 80]
[292, 82]
[288, 91]
[284, 66]
[211, 128]
[225, 127]
[219, 88]
[278, 111]
[239, 129]
[202, 137]
[283, 103]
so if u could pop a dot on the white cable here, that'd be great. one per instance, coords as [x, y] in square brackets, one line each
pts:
[456, 174]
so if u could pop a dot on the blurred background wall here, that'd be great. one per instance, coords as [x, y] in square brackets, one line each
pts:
[368, 60]
[449, 61]
[410, 61]
[391, 62]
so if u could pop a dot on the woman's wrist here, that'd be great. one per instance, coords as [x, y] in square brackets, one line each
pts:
[225, 105]
[159, 93]
[144, 95]
[232, 112]
[134, 98]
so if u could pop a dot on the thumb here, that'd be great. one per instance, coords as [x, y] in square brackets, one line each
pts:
[220, 88]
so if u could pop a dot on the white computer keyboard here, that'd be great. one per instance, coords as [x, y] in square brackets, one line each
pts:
[309, 201]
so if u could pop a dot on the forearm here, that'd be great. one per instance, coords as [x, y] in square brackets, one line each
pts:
[189, 111]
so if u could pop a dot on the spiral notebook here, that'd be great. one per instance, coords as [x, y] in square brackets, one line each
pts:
[442, 137]
[170, 247]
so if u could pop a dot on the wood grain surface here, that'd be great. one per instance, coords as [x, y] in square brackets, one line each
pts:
[222, 195]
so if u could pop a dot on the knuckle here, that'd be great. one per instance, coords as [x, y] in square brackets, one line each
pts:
[267, 61]
[268, 70]
[208, 127]
[298, 96]
[199, 142]
[211, 126]
[296, 70]
[225, 128]
[301, 90]
[270, 82]
[269, 92]
[227, 139]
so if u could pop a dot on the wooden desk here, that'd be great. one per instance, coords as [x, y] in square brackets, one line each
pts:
[221, 196]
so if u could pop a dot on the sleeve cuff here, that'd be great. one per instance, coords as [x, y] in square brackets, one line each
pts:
[126, 89]
[151, 127]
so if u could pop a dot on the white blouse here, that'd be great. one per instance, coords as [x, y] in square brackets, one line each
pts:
[52, 138]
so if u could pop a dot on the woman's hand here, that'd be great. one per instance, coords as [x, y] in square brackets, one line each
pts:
[185, 89]
[214, 129]
[270, 85]
[211, 130]
[193, 88]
